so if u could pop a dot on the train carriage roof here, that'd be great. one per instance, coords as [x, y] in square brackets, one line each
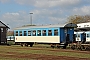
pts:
[83, 27]
[48, 26]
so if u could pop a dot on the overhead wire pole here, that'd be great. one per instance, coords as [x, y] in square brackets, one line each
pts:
[31, 18]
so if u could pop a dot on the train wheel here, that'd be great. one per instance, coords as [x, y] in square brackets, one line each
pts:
[78, 48]
[31, 45]
[82, 47]
[57, 45]
[52, 46]
[26, 44]
[88, 48]
[73, 47]
[64, 47]
[22, 44]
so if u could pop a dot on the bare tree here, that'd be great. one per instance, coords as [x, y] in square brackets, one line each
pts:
[78, 19]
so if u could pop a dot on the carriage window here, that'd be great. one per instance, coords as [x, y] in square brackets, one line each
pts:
[29, 33]
[49, 32]
[20, 33]
[75, 35]
[25, 33]
[44, 32]
[84, 25]
[88, 35]
[56, 32]
[78, 35]
[79, 26]
[39, 33]
[87, 25]
[16, 33]
[34, 33]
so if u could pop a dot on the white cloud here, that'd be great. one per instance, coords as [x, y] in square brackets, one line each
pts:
[57, 20]
[4, 1]
[47, 12]
[10, 16]
[55, 3]
[14, 14]
[48, 3]
[44, 11]
[15, 19]
[46, 16]
[82, 11]
[86, 9]
[25, 2]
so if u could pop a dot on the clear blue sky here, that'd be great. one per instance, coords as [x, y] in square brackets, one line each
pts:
[16, 12]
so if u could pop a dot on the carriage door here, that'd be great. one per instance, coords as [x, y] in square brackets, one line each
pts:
[70, 35]
[74, 37]
[83, 37]
[67, 36]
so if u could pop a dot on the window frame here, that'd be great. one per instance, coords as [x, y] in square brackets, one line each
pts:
[44, 33]
[38, 32]
[20, 33]
[49, 32]
[33, 32]
[25, 33]
[29, 33]
[16, 33]
[55, 32]
[87, 35]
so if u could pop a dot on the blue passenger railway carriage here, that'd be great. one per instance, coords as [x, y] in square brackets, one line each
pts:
[83, 32]
[56, 35]
[82, 37]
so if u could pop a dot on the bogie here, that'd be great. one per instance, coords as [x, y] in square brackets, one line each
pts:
[26, 44]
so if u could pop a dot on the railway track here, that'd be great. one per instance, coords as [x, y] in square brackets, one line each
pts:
[48, 47]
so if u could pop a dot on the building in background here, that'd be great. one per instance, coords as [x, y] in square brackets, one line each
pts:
[3, 33]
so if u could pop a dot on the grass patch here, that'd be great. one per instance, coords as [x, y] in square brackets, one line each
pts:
[46, 52]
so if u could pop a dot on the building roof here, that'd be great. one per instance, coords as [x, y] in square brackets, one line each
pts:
[3, 25]
[48, 26]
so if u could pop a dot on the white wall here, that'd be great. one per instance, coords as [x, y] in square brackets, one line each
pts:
[43, 39]
[82, 25]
